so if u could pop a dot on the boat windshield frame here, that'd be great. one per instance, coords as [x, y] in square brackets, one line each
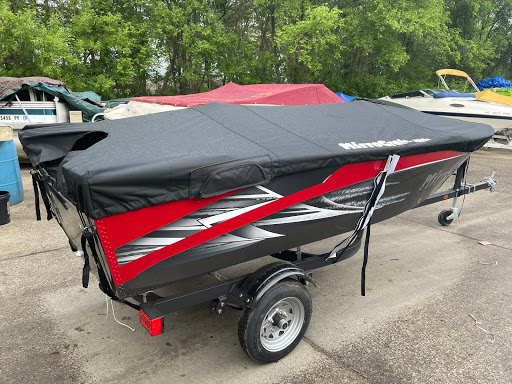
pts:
[428, 92]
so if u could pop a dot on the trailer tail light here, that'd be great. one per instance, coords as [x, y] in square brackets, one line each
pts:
[153, 326]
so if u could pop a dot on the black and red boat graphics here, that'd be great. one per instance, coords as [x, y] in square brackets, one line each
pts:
[147, 248]
[164, 197]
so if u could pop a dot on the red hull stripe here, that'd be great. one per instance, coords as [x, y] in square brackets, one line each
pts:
[343, 177]
[117, 230]
[132, 225]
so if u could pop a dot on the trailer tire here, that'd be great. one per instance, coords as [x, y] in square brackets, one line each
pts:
[442, 218]
[272, 329]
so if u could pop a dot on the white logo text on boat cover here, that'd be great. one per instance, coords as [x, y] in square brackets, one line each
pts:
[380, 143]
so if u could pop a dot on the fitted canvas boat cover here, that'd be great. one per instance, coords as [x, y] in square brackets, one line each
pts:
[116, 166]
[258, 94]
[274, 94]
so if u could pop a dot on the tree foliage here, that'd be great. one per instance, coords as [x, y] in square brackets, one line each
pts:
[363, 47]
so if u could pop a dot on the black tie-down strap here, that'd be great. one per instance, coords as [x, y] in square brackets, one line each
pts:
[365, 260]
[364, 221]
[38, 185]
[88, 238]
[87, 266]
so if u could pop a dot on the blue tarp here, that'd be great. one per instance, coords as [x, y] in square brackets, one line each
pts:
[452, 94]
[347, 98]
[494, 82]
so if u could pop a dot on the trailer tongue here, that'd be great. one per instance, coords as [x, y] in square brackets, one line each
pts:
[152, 200]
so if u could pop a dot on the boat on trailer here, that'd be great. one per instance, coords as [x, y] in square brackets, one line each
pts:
[155, 199]
[479, 107]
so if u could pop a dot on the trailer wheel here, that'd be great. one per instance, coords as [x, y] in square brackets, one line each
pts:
[272, 329]
[442, 218]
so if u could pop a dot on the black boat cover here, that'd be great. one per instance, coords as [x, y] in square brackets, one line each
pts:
[117, 166]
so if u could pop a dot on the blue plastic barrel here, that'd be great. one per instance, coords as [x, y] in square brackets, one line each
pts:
[10, 175]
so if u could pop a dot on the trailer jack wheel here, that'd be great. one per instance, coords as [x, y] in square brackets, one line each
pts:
[273, 328]
[443, 217]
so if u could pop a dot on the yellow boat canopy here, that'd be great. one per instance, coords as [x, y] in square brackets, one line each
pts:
[454, 72]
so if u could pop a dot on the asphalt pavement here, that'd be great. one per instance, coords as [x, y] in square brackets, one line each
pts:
[437, 308]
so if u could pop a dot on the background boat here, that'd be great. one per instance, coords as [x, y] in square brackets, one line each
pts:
[42, 100]
[479, 107]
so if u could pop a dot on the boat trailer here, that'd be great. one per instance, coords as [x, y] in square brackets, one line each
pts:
[504, 135]
[275, 303]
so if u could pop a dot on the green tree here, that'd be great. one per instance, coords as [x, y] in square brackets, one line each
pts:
[313, 45]
[102, 44]
[483, 35]
[191, 40]
[394, 45]
[362, 47]
[29, 47]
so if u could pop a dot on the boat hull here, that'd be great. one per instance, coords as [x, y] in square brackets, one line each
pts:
[499, 117]
[497, 123]
[152, 247]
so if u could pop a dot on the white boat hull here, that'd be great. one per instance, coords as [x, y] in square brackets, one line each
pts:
[497, 116]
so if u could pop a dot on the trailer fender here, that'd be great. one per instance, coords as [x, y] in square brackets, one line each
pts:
[259, 282]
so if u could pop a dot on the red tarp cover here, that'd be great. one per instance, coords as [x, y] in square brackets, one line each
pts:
[276, 94]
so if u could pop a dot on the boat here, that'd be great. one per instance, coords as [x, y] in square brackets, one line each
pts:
[155, 199]
[480, 107]
[41, 100]
[253, 94]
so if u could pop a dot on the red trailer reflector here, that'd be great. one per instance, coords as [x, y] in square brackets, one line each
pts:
[153, 326]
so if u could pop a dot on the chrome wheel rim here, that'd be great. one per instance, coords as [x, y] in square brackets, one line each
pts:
[282, 324]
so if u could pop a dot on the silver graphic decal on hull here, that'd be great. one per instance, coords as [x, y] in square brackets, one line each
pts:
[326, 206]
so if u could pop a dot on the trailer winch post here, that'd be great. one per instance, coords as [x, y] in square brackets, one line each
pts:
[461, 173]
